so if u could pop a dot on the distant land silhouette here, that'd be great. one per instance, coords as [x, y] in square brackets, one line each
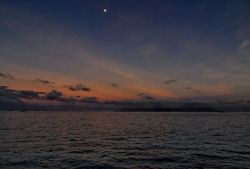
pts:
[194, 109]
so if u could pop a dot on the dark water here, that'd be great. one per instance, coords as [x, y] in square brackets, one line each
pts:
[124, 140]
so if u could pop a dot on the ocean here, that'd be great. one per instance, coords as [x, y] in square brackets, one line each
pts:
[125, 140]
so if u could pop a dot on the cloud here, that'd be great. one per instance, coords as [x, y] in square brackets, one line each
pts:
[54, 95]
[29, 94]
[145, 96]
[89, 100]
[78, 87]
[244, 44]
[18, 95]
[170, 81]
[11, 99]
[44, 82]
[10, 104]
[3, 87]
[148, 97]
[7, 93]
[11, 77]
[6, 76]
[114, 84]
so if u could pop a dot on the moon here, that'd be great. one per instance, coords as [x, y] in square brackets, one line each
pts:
[105, 10]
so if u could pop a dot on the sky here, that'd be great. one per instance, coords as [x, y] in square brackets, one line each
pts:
[53, 51]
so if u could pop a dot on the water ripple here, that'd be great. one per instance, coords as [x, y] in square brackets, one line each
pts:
[113, 140]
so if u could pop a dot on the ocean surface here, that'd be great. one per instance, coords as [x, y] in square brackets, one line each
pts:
[140, 140]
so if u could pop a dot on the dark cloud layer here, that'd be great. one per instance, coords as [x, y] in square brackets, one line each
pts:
[18, 95]
[5, 92]
[8, 93]
[11, 99]
[54, 95]
[29, 94]
[145, 96]
[89, 100]
[78, 87]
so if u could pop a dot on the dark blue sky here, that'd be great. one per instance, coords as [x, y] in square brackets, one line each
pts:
[139, 45]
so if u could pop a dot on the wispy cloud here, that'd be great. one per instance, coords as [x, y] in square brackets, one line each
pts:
[44, 82]
[244, 44]
[114, 84]
[6, 76]
[78, 87]
[170, 81]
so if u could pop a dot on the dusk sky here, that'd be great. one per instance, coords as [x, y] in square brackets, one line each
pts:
[124, 50]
